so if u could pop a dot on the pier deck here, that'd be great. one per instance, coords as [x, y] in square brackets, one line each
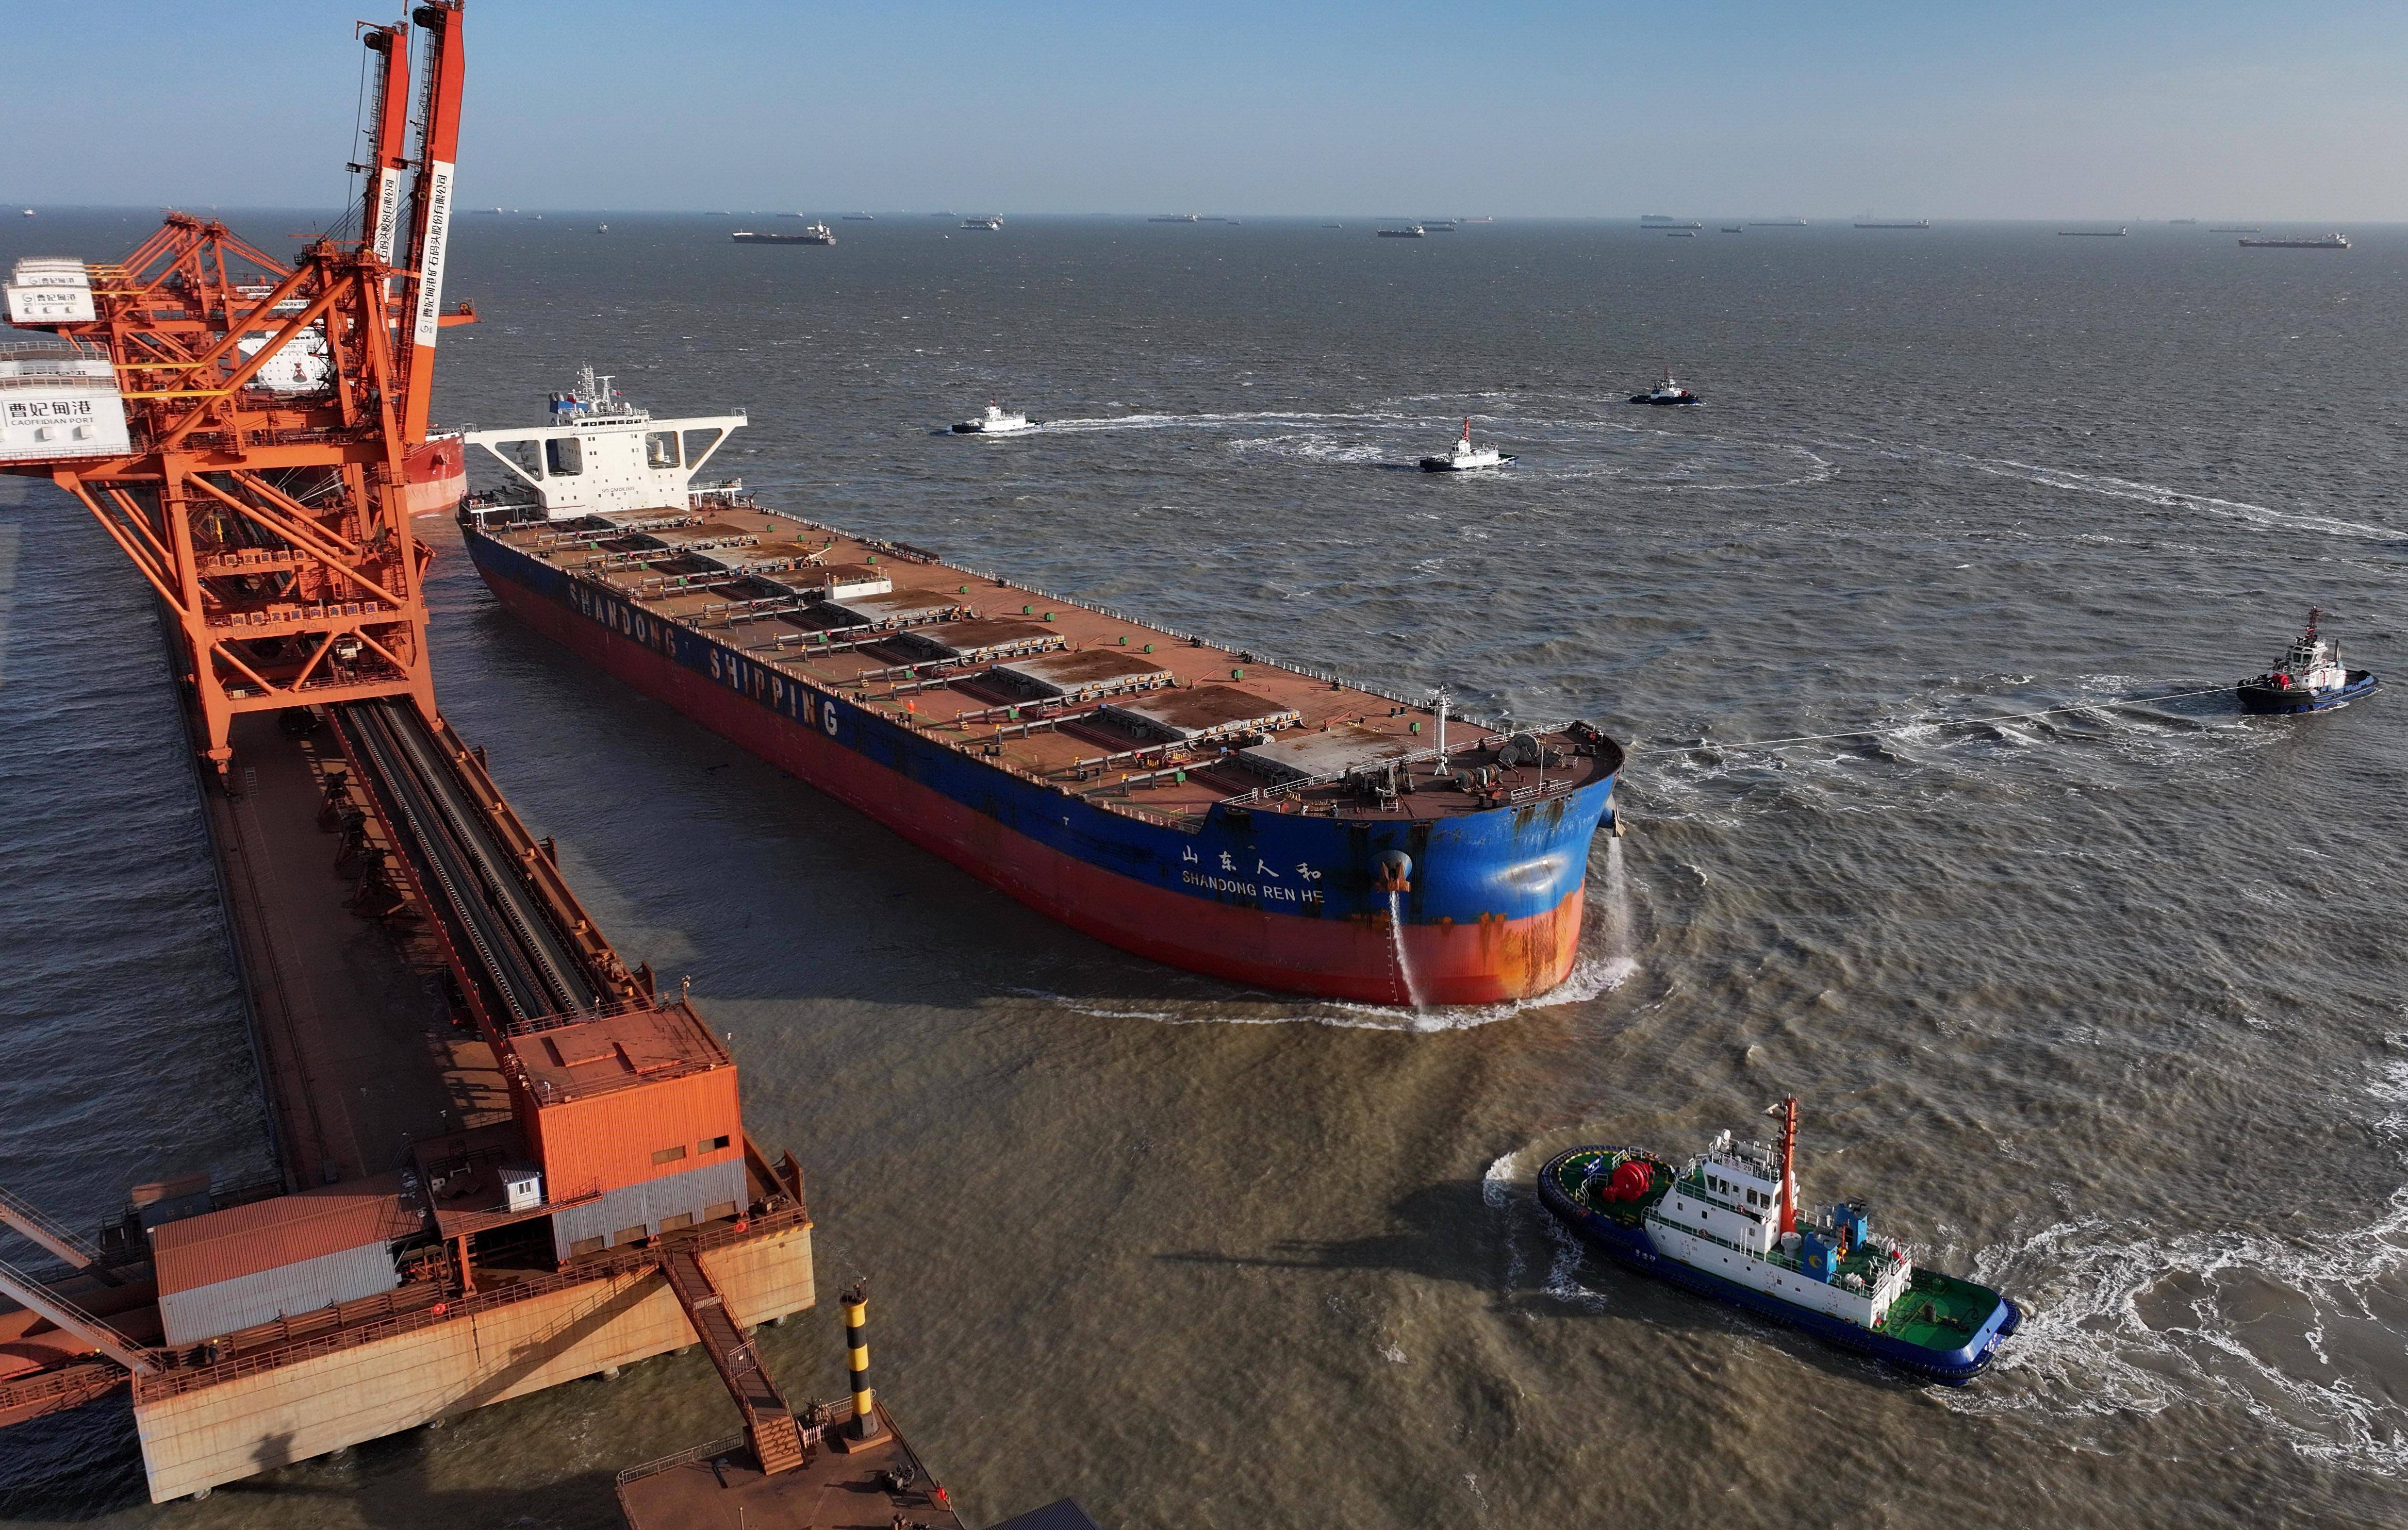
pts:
[381, 1069]
[832, 1490]
[354, 1036]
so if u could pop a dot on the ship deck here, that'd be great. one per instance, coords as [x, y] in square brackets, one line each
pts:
[1940, 1311]
[1133, 718]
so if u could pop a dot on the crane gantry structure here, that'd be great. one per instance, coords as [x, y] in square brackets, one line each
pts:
[274, 441]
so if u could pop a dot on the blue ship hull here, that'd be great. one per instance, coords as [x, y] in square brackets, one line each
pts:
[2272, 699]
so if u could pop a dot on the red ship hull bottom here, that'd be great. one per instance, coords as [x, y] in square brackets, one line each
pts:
[435, 476]
[1493, 961]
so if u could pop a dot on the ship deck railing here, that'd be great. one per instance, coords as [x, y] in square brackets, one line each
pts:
[1276, 796]
[1264, 796]
[1774, 1257]
[1247, 656]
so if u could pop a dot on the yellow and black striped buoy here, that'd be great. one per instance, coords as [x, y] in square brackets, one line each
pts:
[857, 1360]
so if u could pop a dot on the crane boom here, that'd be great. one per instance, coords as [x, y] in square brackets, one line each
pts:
[430, 230]
[380, 218]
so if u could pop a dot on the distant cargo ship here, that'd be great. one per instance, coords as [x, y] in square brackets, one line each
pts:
[1662, 220]
[2329, 241]
[990, 222]
[1193, 804]
[2233, 229]
[1918, 222]
[815, 233]
[1777, 223]
[1175, 218]
[2093, 232]
[1410, 231]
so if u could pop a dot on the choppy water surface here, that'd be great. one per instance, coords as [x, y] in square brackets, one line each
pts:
[2103, 1005]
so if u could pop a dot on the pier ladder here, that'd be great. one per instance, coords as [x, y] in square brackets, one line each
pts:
[768, 1424]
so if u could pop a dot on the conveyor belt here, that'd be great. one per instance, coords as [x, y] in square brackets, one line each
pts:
[504, 927]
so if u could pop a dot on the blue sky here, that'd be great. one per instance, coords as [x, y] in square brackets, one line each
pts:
[2013, 108]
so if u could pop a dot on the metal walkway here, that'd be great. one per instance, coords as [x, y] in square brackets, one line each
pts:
[768, 1423]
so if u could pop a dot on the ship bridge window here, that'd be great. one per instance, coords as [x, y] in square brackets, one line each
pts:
[523, 455]
[562, 456]
[660, 448]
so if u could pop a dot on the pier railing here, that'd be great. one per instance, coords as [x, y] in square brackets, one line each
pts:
[707, 1451]
[635, 1260]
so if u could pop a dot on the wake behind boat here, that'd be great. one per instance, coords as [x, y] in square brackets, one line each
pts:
[996, 420]
[1464, 457]
[2309, 678]
[1726, 1225]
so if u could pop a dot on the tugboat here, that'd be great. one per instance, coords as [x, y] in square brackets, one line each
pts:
[2309, 678]
[1726, 1225]
[996, 422]
[1667, 392]
[1464, 457]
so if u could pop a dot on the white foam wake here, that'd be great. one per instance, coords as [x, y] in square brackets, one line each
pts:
[1496, 1185]
[2087, 1344]
[2139, 492]
[2154, 493]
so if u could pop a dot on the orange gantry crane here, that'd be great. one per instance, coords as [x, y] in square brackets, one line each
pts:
[254, 434]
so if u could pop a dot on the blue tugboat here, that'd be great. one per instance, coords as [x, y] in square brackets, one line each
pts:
[1726, 1225]
[2310, 678]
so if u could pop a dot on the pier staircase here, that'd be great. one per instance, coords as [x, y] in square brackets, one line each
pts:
[770, 1424]
[38, 1226]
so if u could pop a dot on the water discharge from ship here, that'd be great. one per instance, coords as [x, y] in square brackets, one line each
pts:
[1396, 945]
[1620, 958]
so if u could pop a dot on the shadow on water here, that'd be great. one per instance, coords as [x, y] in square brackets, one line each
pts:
[1451, 1233]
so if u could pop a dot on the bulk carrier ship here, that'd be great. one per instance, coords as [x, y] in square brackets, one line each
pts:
[1186, 801]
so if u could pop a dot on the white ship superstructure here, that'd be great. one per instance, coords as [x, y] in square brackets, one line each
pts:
[996, 420]
[1725, 1216]
[599, 452]
[1464, 457]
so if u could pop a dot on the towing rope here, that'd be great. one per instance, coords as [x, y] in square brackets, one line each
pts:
[1708, 744]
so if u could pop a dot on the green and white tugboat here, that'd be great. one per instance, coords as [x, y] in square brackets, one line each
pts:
[1726, 1225]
